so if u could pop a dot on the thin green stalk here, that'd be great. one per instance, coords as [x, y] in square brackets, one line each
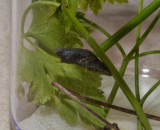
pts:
[139, 125]
[137, 75]
[145, 34]
[149, 92]
[103, 31]
[116, 84]
[130, 25]
[124, 87]
[125, 61]
[136, 56]
[128, 57]
[147, 53]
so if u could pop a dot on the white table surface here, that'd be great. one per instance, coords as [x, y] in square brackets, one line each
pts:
[4, 64]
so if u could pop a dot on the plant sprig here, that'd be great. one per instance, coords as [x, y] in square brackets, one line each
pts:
[128, 93]
[129, 56]
[36, 67]
[62, 21]
[137, 87]
[103, 31]
[130, 25]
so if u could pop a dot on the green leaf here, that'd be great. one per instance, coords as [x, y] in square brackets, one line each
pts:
[40, 68]
[118, 1]
[54, 102]
[72, 6]
[86, 117]
[83, 4]
[122, 1]
[31, 69]
[82, 81]
[76, 78]
[20, 90]
[52, 34]
[42, 13]
[65, 21]
[68, 112]
[111, 1]
[96, 5]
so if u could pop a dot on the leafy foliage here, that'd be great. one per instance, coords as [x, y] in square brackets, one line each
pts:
[96, 5]
[39, 67]
[85, 116]
[31, 69]
[72, 6]
[118, 1]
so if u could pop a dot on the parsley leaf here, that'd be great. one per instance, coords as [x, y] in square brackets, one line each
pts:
[52, 34]
[42, 13]
[31, 69]
[96, 5]
[118, 1]
[86, 117]
[40, 67]
[72, 6]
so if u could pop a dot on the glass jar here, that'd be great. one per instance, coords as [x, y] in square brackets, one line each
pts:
[35, 35]
[18, 111]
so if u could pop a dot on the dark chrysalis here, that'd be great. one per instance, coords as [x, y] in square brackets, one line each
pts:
[82, 57]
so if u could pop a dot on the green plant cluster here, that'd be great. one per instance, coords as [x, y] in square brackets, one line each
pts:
[57, 23]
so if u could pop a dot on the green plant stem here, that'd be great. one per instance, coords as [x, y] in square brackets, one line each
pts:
[116, 84]
[103, 31]
[139, 125]
[145, 34]
[147, 53]
[130, 25]
[136, 56]
[128, 58]
[124, 87]
[149, 92]
[137, 75]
